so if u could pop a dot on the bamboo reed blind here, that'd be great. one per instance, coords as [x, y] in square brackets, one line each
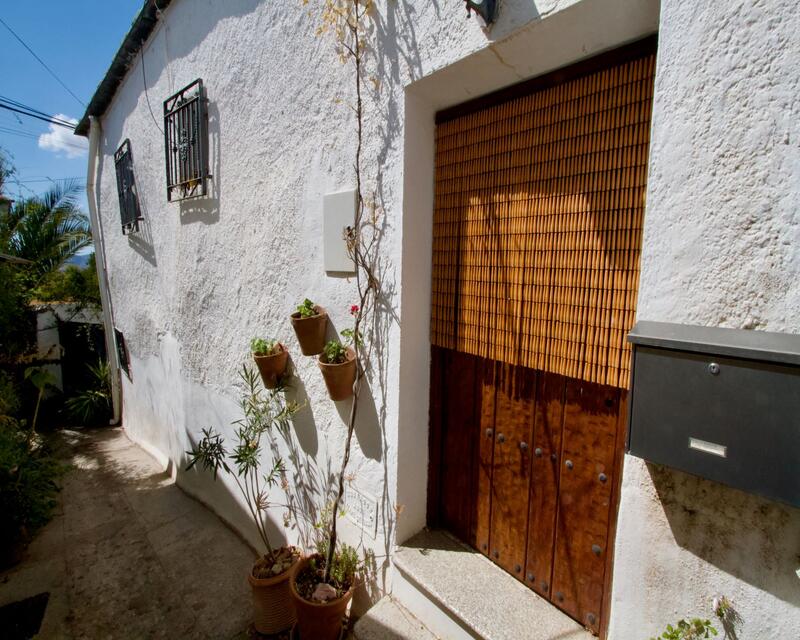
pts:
[538, 223]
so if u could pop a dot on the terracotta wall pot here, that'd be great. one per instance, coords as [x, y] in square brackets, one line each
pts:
[311, 331]
[339, 378]
[272, 602]
[273, 366]
[318, 621]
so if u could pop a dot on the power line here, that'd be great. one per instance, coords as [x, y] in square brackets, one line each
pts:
[144, 81]
[50, 71]
[22, 133]
[73, 178]
[22, 105]
[51, 120]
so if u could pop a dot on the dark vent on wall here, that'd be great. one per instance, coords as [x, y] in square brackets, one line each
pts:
[129, 211]
[186, 143]
[122, 352]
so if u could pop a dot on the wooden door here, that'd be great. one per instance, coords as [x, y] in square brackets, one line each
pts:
[536, 240]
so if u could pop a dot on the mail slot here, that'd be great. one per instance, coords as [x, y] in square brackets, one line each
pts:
[723, 404]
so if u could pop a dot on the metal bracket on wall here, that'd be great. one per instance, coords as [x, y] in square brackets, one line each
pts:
[486, 9]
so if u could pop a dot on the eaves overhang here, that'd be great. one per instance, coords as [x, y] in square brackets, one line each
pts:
[143, 25]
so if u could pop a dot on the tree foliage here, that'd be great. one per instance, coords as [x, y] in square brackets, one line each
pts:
[47, 229]
[71, 285]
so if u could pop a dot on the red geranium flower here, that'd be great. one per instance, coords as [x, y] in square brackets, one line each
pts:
[354, 310]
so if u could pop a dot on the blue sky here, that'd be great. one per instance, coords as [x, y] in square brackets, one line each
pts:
[77, 39]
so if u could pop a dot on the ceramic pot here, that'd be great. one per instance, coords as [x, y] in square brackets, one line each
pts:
[273, 604]
[315, 620]
[273, 366]
[339, 378]
[311, 331]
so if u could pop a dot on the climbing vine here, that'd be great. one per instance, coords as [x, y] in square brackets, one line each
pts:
[347, 22]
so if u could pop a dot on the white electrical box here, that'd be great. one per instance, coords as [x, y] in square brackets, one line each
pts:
[338, 213]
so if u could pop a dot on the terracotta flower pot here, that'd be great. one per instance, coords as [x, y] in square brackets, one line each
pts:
[273, 366]
[315, 620]
[272, 601]
[311, 331]
[339, 378]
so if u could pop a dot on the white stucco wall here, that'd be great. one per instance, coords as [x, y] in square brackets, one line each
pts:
[721, 248]
[205, 276]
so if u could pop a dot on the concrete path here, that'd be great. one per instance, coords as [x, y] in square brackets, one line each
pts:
[129, 555]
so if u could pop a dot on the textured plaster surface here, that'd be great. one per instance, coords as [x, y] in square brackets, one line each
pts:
[204, 276]
[721, 248]
[129, 555]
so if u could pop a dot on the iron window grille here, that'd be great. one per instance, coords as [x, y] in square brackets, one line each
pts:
[186, 143]
[122, 352]
[129, 211]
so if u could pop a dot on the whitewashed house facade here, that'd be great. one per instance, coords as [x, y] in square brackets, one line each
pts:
[720, 247]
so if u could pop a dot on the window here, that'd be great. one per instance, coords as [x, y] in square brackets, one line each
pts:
[129, 211]
[186, 143]
[122, 352]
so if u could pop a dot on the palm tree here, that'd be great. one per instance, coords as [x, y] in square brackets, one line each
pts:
[47, 229]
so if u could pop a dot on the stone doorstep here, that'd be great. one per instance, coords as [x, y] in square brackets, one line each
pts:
[458, 593]
[389, 620]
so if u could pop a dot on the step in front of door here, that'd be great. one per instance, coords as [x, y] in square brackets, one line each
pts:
[459, 594]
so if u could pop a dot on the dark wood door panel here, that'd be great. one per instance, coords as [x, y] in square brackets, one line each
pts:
[525, 467]
[485, 394]
[546, 447]
[459, 428]
[584, 496]
[514, 410]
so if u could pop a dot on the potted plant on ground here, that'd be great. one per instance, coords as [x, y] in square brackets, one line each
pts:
[338, 365]
[269, 576]
[320, 596]
[310, 322]
[271, 359]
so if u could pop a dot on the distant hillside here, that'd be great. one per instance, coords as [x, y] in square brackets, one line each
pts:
[80, 260]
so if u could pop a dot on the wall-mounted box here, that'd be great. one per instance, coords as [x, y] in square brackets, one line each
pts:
[339, 213]
[723, 404]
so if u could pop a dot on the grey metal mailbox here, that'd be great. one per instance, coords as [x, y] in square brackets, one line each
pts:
[722, 404]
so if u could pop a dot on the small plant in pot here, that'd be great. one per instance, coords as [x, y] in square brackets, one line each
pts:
[271, 358]
[338, 365]
[310, 322]
[321, 596]
[269, 576]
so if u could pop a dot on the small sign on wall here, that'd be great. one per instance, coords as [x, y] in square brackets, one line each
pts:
[338, 213]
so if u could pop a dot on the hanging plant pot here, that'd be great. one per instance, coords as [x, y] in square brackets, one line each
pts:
[272, 366]
[273, 605]
[339, 378]
[318, 620]
[311, 331]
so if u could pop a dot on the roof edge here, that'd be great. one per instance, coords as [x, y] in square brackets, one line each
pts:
[143, 25]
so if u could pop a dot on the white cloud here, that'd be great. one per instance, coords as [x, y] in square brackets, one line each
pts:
[61, 140]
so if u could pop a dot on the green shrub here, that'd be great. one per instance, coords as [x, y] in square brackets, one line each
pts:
[28, 485]
[92, 405]
[9, 399]
[261, 347]
[307, 309]
[335, 352]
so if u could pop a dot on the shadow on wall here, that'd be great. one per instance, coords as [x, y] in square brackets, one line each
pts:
[206, 209]
[302, 482]
[304, 424]
[752, 538]
[368, 430]
[141, 241]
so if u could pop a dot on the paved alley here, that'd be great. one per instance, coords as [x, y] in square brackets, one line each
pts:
[129, 555]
